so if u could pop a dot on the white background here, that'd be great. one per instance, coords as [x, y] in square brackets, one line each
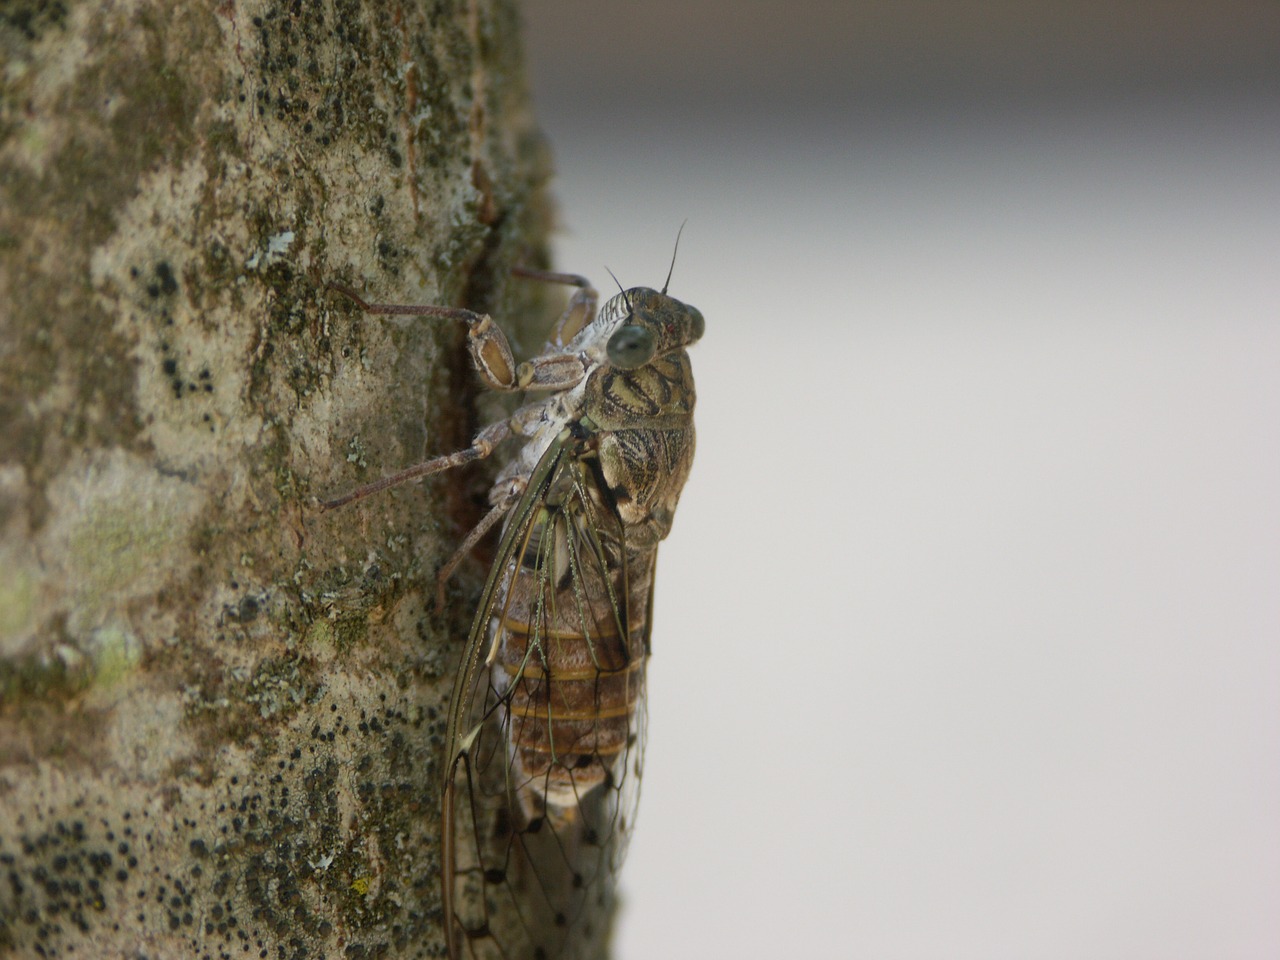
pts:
[967, 636]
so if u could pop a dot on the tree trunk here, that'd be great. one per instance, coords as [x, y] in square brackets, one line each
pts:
[222, 710]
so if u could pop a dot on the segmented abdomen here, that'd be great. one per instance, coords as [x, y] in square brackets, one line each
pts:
[572, 681]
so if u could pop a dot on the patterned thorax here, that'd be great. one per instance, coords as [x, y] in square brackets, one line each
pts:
[644, 414]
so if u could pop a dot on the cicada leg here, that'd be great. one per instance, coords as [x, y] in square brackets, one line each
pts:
[481, 447]
[510, 496]
[488, 345]
[491, 352]
[580, 311]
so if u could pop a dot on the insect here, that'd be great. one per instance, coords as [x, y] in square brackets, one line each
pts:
[547, 721]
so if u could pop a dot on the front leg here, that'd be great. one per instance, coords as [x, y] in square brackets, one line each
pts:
[488, 345]
[580, 311]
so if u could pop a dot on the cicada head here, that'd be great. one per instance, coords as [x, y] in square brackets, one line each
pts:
[641, 324]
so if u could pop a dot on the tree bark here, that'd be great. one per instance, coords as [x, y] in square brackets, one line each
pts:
[222, 710]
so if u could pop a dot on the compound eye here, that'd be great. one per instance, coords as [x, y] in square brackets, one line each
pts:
[631, 346]
[696, 323]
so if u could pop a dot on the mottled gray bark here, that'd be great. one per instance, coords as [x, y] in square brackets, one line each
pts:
[222, 710]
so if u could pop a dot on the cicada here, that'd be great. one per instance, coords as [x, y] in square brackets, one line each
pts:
[547, 722]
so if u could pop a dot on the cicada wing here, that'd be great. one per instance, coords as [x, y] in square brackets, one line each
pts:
[547, 727]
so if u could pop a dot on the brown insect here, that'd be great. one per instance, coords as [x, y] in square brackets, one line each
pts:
[546, 725]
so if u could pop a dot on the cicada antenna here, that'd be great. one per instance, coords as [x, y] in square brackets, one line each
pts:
[625, 298]
[673, 257]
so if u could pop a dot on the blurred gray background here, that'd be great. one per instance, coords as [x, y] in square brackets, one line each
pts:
[967, 634]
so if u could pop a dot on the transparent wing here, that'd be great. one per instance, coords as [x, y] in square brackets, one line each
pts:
[546, 728]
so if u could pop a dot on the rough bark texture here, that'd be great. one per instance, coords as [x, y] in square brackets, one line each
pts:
[222, 710]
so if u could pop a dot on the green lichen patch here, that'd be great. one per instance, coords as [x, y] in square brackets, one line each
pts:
[17, 598]
[118, 531]
[115, 652]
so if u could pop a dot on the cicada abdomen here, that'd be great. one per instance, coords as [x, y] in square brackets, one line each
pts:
[570, 657]
[550, 777]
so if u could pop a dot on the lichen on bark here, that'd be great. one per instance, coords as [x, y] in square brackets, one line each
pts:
[220, 710]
